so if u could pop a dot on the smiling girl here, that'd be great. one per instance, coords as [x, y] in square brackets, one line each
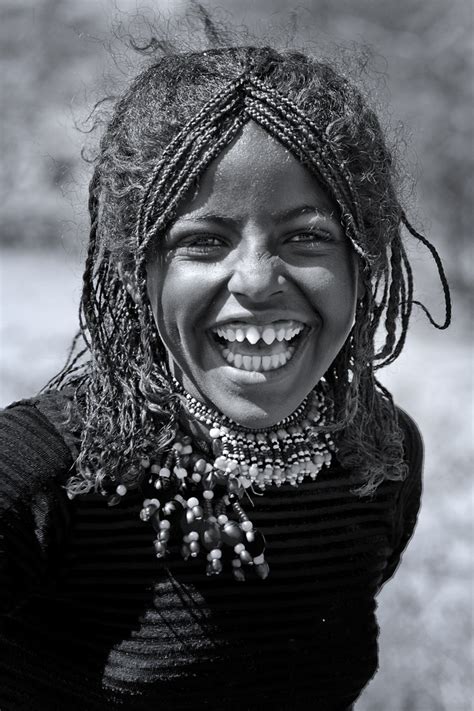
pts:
[202, 508]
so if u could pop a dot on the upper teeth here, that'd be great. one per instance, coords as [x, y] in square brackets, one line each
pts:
[268, 333]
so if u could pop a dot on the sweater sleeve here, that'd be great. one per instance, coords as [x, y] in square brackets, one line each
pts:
[409, 499]
[33, 506]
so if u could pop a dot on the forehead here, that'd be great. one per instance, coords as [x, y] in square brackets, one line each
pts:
[255, 176]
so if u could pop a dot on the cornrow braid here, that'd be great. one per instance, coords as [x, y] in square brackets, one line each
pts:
[315, 139]
[281, 124]
[174, 120]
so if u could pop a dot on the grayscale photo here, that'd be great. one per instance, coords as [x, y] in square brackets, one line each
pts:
[236, 355]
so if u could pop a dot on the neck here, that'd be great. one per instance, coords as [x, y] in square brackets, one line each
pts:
[197, 418]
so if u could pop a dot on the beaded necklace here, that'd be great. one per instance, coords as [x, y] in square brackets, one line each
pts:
[199, 495]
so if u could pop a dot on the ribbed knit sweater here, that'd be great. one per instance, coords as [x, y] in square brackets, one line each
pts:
[93, 618]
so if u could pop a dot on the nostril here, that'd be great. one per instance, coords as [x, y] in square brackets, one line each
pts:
[256, 283]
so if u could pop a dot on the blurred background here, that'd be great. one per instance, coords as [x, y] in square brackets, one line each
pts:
[56, 61]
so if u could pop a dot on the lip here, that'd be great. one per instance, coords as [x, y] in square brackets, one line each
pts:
[262, 319]
[253, 377]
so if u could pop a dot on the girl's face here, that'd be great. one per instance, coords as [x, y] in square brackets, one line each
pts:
[254, 287]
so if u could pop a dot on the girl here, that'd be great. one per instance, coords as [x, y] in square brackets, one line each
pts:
[201, 509]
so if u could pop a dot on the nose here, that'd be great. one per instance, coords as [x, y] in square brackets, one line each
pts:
[256, 275]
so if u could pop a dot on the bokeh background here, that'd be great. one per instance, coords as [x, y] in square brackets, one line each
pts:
[59, 56]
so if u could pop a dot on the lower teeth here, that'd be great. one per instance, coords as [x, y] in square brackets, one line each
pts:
[257, 363]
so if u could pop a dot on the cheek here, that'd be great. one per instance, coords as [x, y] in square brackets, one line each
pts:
[175, 294]
[333, 293]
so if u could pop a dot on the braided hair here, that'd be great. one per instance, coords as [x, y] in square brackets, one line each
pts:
[172, 122]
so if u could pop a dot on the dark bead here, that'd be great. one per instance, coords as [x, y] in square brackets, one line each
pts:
[256, 546]
[216, 566]
[234, 487]
[164, 535]
[197, 512]
[232, 533]
[160, 549]
[246, 557]
[262, 570]
[170, 508]
[194, 548]
[211, 536]
[239, 574]
[155, 521]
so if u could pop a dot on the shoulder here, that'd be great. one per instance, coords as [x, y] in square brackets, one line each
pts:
[33, 451]
[410, 487]
[412, 441]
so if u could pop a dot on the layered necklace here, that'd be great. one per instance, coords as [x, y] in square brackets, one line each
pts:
[196, 488]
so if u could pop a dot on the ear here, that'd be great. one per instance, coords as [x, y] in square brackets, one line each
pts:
[128, 282]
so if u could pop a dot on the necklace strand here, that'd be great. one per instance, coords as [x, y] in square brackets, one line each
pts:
[199, 497]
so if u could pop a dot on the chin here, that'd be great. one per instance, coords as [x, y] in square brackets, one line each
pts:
[254, 417]
[255, 406]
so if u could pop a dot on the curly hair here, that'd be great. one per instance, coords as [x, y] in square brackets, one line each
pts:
[174, 119]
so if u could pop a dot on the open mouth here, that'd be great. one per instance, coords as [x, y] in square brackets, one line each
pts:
[258, 348]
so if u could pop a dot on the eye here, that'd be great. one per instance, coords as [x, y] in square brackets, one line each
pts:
[203, 241]
[311, 238]
[198, 244]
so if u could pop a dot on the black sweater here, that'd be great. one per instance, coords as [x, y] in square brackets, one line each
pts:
[93, 618]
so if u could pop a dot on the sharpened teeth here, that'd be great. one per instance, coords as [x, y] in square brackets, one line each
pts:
[280, 331]
[268, 335]
[252, 335]
[264, 347]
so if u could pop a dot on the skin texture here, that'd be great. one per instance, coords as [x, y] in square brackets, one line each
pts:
[258, 241]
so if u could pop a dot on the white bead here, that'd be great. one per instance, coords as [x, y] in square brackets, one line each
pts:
[192, 502]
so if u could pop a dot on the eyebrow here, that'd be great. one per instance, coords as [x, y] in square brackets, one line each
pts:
[290, 214]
